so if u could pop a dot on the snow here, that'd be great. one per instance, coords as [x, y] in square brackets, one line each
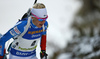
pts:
[64, 56]
[93, 55]
[85, 48]
[61, 14]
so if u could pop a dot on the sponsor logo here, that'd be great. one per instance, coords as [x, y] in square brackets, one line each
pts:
[36, 35]
[34, 32]
[12, 32]
[19, 53]
[27, 48]
[45, 15]
[25, 54]
[16, 30]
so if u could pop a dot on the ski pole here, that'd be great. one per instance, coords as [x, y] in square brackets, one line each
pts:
[35, 1]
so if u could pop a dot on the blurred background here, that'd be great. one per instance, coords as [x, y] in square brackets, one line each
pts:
[74, 29]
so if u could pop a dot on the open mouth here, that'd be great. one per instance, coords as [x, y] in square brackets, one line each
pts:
[40, 24]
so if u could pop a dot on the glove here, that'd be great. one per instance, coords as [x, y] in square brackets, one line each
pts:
[43, 54]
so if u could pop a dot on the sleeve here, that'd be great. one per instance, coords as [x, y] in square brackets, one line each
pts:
[1, 57]
[43, 38]
[16, 30]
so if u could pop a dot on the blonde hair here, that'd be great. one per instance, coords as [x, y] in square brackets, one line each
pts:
[39, 6]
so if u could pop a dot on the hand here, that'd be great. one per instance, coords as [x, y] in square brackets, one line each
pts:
[43, 54]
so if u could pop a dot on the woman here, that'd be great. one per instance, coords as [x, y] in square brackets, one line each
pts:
[27, 33]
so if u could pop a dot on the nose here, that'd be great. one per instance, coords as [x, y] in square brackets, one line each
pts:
[43, 21]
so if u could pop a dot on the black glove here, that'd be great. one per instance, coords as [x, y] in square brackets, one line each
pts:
[43, 54]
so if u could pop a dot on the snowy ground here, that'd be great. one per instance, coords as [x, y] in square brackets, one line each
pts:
[61, 14]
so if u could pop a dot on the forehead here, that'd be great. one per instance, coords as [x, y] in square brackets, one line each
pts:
[34, 18]
[39, 6]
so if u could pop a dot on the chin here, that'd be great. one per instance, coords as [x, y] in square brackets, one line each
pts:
[39, 26]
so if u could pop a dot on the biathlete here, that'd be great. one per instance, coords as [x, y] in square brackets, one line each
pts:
[26, 33]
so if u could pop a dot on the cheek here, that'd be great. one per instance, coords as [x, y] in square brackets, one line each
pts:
[43, 21]
[38, 23]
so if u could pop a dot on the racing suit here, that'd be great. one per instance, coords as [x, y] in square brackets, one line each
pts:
[24, 47]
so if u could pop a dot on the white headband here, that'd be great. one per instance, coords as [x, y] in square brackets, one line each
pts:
[41, 13]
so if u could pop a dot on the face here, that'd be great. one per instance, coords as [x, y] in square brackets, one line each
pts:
[37, 22]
